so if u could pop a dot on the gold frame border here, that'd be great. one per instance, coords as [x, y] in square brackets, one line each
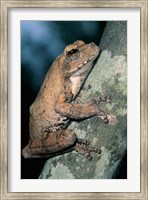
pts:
[5, 5]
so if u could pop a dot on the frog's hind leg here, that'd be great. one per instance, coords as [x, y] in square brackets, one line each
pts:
[57, 143]
[50, 144]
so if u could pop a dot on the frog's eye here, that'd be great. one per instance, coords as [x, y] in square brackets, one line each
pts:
[71, 52]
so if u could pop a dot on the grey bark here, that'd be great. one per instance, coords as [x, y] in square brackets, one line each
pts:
[108, 77]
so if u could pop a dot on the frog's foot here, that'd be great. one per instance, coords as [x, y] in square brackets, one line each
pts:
[83, 147]
[101, 114]
[112, 119]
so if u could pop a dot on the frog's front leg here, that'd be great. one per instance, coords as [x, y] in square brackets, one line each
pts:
[81, 111]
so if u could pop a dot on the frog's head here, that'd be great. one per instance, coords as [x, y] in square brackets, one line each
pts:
[78, 61]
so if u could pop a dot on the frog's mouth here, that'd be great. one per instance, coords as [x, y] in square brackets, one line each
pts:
[85, 67]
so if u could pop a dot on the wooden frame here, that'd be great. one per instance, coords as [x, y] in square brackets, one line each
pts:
[5, 5]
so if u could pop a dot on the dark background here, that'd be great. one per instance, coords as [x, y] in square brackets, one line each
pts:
[41, 43]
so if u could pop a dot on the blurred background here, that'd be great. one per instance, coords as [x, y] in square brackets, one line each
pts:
[41, 43]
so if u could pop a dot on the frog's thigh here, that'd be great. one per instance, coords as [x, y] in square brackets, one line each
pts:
[50, 143]
[59, 140]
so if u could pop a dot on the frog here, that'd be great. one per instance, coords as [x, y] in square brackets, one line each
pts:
[55, 106]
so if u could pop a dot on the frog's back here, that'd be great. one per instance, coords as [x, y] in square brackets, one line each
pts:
[43, 117]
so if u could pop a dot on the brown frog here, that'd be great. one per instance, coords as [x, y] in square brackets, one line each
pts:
[54, 105]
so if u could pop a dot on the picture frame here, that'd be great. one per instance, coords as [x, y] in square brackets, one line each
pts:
[5, 6]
